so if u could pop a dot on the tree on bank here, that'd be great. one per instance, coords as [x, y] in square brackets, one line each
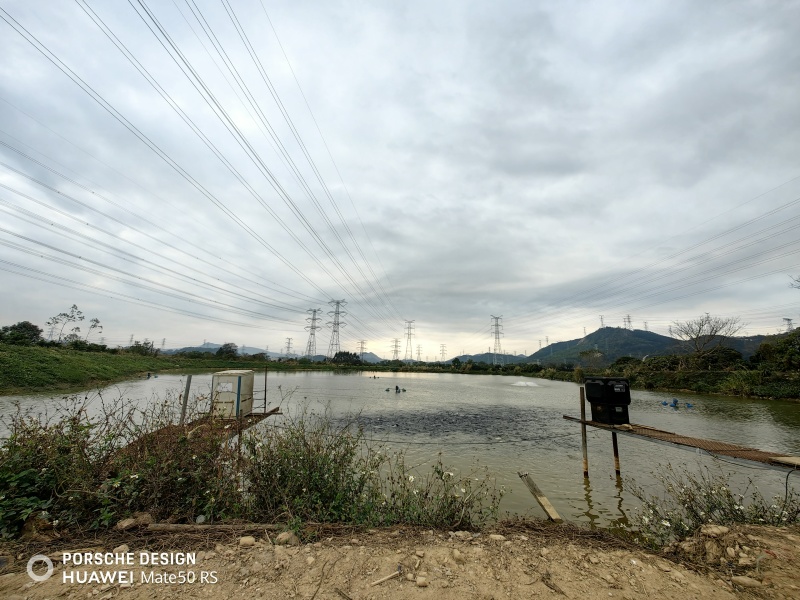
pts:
[63, 319]
[228, 350]
[23, 333]
[706, 332]
[346, 358]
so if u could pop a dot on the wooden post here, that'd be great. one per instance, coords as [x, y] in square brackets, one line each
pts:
[548, 508]
[185, 398]
[265, 385]
[616, 451]
[583, 434]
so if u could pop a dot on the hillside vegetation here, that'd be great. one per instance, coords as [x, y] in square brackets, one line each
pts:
[40, 368]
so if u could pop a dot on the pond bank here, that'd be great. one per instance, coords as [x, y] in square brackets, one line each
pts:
[34, 369]
[512, 560]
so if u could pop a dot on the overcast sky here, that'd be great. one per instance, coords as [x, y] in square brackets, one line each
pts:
[547, 162]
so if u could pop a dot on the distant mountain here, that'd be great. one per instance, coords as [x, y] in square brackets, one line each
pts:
[612, 342]
[207, 347]
[489, 357]
[369, 357]
[749, 344]
[616, 342]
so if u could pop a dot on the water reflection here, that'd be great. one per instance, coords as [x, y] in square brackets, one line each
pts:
[591, 515]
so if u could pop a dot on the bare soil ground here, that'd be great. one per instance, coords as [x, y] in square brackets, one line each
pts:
[519, 560]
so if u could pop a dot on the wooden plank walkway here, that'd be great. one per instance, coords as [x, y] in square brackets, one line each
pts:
[771, 459]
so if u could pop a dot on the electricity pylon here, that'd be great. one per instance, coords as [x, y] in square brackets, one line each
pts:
[335, 325]
[419, 353]
[443, 350]
[496, 327]
[409, 334]
[311, 328]
[362, 347]
[288, 346]
[396, 349]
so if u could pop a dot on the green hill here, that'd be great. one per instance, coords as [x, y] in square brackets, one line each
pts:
[612, 343]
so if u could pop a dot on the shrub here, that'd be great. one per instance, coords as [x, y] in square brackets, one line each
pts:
[51, 467]
[91, 472]
[311, 469]
[690, 500]
[741, 383]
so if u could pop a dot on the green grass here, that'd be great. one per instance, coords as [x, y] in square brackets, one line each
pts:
[34, 368]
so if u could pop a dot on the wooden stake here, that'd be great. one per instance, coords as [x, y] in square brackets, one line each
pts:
[185, 398]
[265, 385]
[616, 451]
[548, 508]
[583, 435]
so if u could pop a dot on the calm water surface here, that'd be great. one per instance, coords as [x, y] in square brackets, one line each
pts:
[507, 424]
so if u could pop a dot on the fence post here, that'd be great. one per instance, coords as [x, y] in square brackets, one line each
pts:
[583, 435]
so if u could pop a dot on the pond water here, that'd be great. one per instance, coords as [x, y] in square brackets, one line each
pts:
[507, 424]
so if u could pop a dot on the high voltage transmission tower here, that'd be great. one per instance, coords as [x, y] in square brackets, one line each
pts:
[496, 329]
[409, 334]
[311, 328]
[601, 322]
[335, 325]
[419, 353]
[396, 349]
[362, 347]
[288, 346]
[645, 326]
[443, 350]
[627, 322]
[789, 324]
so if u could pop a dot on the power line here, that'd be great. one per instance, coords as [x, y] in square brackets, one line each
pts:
[335, 166]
